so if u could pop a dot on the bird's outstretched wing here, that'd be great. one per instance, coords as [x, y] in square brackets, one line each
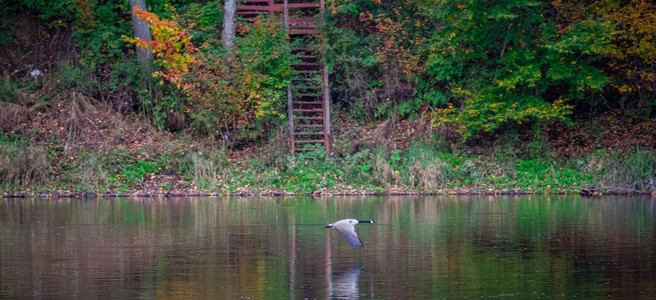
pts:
[348, 232]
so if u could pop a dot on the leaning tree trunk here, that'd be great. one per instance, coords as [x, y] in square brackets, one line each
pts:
[228, 34]
[142, 31]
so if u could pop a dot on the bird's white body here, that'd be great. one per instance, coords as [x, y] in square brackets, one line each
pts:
[346, 228]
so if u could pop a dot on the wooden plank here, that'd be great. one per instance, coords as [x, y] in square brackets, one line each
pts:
[309, 141]
[307, 102]
[307, 64]
[303, 5]
[252, 7]
[307, 149]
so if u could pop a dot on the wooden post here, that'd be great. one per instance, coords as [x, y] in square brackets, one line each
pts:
[290, 111]
[325, 84]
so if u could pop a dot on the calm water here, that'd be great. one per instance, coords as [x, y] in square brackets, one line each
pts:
[259, 248]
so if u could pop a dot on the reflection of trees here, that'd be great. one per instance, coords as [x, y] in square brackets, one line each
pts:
[465, 246]
[149, 246]
[447, 247]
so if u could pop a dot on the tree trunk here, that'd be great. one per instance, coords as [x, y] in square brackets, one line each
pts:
[228, 34]
[142, 31]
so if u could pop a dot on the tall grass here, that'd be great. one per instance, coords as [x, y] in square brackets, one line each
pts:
[204, 172]
[24, 164]
[623, 172]
[90, 172]
[424, 166]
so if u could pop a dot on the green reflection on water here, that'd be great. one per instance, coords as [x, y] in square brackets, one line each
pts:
[277, 248]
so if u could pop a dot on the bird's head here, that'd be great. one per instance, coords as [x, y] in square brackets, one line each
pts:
[368, 221]
[329, 226]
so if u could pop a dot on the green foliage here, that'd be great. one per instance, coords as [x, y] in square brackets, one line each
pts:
[207, 19]
[54, 13]
[377, 51]
[125, 73]
[126, 170]
[504, 62]
[631, 59]
[72, 77]
[99, 31]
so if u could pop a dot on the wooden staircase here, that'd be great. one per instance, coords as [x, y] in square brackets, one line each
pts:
[308, 98]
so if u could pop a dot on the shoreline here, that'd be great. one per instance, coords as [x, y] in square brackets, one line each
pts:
[324, 192]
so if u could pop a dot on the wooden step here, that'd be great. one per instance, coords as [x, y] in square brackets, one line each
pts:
[309, 133]
[307, 102]
[303, 5]
[307, 64]
[310, 141]
[308, 118]
[248, 13]
[307, 110]
[307, 149]
[305, 79]
[308, 71]
[310, 126]
[279, 7]
[255, 7]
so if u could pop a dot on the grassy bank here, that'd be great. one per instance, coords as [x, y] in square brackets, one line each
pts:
[126, 156]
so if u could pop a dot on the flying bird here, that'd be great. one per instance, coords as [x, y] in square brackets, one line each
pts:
[346, 228]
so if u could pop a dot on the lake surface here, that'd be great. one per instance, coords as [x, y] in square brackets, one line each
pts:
[277, 248]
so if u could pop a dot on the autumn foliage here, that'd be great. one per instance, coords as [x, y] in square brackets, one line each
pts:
[224, 97]
[632, 59]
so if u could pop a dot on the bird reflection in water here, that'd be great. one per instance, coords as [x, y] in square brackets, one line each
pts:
[345, 285]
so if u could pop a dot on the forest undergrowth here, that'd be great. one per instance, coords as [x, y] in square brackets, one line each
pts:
[77, 146]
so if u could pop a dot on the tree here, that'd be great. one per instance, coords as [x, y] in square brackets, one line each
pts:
[142, 31]
[228, 34]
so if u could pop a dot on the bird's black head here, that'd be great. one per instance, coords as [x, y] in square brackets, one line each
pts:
[368, 221]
